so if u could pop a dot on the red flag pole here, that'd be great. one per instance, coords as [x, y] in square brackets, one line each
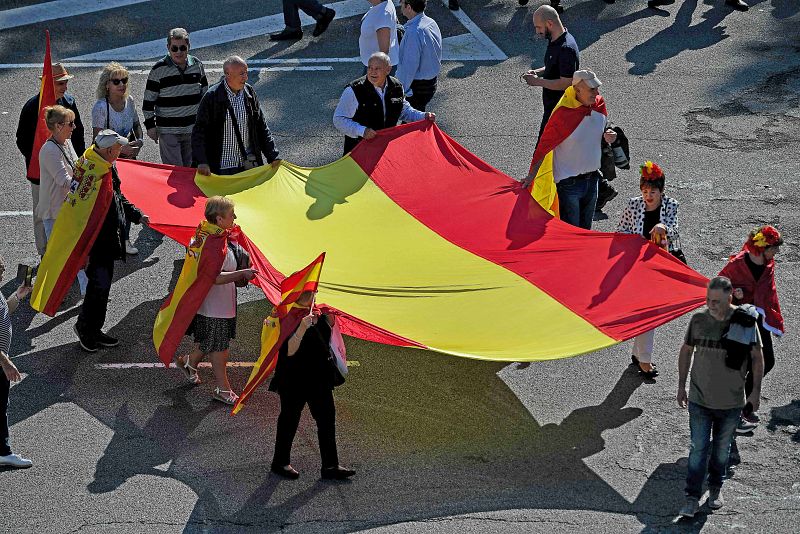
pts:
[47, 97]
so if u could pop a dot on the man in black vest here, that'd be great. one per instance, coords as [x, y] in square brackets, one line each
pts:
[373, 102]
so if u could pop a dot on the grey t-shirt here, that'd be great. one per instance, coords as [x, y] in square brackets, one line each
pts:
[713, 384]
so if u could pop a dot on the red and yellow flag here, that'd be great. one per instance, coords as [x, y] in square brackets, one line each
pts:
[281, 323]
[566, 116]
[77, 225]
[202, 265]
[47, 97]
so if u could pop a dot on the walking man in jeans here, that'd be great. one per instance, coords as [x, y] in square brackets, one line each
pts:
[716, 393]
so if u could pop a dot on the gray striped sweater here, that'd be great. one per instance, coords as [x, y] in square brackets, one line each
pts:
[171, 97]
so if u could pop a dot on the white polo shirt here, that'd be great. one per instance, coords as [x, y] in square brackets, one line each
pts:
[581, 151]
[380, 16]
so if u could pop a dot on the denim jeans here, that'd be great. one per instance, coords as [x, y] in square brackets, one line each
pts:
[577, 198]
[711, 431]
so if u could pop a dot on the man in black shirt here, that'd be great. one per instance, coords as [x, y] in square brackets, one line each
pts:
[561, 60]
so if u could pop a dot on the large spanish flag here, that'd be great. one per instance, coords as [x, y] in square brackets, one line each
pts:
[47, 97]
[77, 225]
[566, 116]
[428, 246]
[281, 323]
[201, 266]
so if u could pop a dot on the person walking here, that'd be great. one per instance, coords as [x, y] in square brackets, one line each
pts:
[9, 373]
[716, 392]
[175, 85]
[293, 30]
[231, 132]
[115, 110]
[26, 132]
[420, 54]
[379, 32]
[303, 376]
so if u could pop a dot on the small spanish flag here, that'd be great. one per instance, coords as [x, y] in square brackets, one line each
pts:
[202, 265]
[280, 324]
[566, 116]
[47, 97]
[78, 223]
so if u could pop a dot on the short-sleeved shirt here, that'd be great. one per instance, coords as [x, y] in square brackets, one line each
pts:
[221, 299]
[561, 60]
[104, 116]
[380, 16]
[713, 384]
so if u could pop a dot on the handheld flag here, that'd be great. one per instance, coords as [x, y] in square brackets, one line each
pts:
[281, 323]
[47, 97]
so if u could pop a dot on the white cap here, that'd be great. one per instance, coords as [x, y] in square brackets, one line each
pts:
[587, 76]
[108, 138]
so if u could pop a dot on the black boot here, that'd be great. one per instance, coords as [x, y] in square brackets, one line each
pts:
[287, 34]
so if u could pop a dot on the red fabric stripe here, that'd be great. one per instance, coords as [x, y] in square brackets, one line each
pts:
[621, 284]
[561, 124]
[47, 97]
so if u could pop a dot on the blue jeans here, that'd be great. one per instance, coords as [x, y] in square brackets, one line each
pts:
[577, 198]
[711, 431]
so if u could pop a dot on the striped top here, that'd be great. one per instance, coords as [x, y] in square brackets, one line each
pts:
[171, 96]
[5, 325]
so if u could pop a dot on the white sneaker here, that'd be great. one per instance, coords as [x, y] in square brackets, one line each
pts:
[15, 460]
[130, 249]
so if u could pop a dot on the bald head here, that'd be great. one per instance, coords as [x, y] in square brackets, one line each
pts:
[547, 23]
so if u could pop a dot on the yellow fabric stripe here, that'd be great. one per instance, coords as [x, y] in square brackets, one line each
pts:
[387, 268]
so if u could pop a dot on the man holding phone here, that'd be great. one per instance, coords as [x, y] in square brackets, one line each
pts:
[10, 372]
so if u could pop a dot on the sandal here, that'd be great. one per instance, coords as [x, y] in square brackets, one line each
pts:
[225, 395]
[191, 372]
[652, 373]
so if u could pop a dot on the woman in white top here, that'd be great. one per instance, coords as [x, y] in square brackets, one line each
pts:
[115, 110]
[379, 32]
[57, 160]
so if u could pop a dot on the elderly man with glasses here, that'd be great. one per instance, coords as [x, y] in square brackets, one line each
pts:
[175, 86]
[26, 131]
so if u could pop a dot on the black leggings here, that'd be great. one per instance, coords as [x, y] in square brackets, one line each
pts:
[769, 357]
[323, 411]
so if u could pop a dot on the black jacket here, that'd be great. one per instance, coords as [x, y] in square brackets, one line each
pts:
[608, 164]
[110, 242]
[370, 108]
[209, 128]
[308, 369]
[26, 129]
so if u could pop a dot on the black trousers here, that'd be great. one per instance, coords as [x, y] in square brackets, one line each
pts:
[421, 93]
[93, 311]
[323, 410]
[769, 357]
[5, 386]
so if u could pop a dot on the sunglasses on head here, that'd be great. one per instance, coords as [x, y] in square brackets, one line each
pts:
[181, 48]
[117, 81]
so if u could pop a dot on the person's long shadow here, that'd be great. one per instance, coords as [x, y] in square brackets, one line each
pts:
[786, 416]
[660, 499]
[783, 9]
[680, 36]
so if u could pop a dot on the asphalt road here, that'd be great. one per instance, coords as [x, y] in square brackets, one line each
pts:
[441, 444]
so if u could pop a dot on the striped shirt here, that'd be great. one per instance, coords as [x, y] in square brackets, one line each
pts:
[231, 155]
[5, 326]
[172, 95]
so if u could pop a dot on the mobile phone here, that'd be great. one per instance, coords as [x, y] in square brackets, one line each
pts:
[25, 274]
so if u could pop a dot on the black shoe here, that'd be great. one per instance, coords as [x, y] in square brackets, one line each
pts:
[286, 34]
[337, 473]
[556, 4]
[322, 24]
[86, 342]
[608, 194]
[453, 5]
[656, 3]
[523, 2]
[738, 5]
[286, 472]
[104, 340]
[609, 1]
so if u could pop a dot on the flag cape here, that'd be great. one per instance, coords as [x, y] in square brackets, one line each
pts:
[78, 223]
[47, 97]
[566, 116]
[201, 266]
[282, 323]
[428, 246]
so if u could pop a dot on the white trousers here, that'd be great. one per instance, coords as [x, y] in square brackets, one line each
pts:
[38, 228]
[643, 346]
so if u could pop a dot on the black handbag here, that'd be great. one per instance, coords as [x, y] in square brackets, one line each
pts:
[337, 379]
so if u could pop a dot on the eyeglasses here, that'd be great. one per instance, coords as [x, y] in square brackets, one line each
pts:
[181, 48]
[71, 124]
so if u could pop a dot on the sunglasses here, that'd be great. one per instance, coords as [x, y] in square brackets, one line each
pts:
[117, 81]
[71, 124]
[181, 48]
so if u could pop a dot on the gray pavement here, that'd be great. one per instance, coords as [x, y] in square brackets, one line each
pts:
[441, 444]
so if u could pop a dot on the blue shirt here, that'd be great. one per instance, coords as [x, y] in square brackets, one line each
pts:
[420, 51]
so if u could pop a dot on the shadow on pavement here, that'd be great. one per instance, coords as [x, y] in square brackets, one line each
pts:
[787, 418]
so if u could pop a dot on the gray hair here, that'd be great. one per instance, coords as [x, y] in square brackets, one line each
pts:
[546, 13]
[722, 283]
[177, 33]
[108, 71]
[233, 60]
[381, 56]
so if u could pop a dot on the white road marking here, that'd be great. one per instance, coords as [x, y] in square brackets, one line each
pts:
[15, 213]
[59, 9]
[493, 50]
[205, 365]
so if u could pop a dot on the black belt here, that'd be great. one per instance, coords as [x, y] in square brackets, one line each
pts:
[584, 175]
